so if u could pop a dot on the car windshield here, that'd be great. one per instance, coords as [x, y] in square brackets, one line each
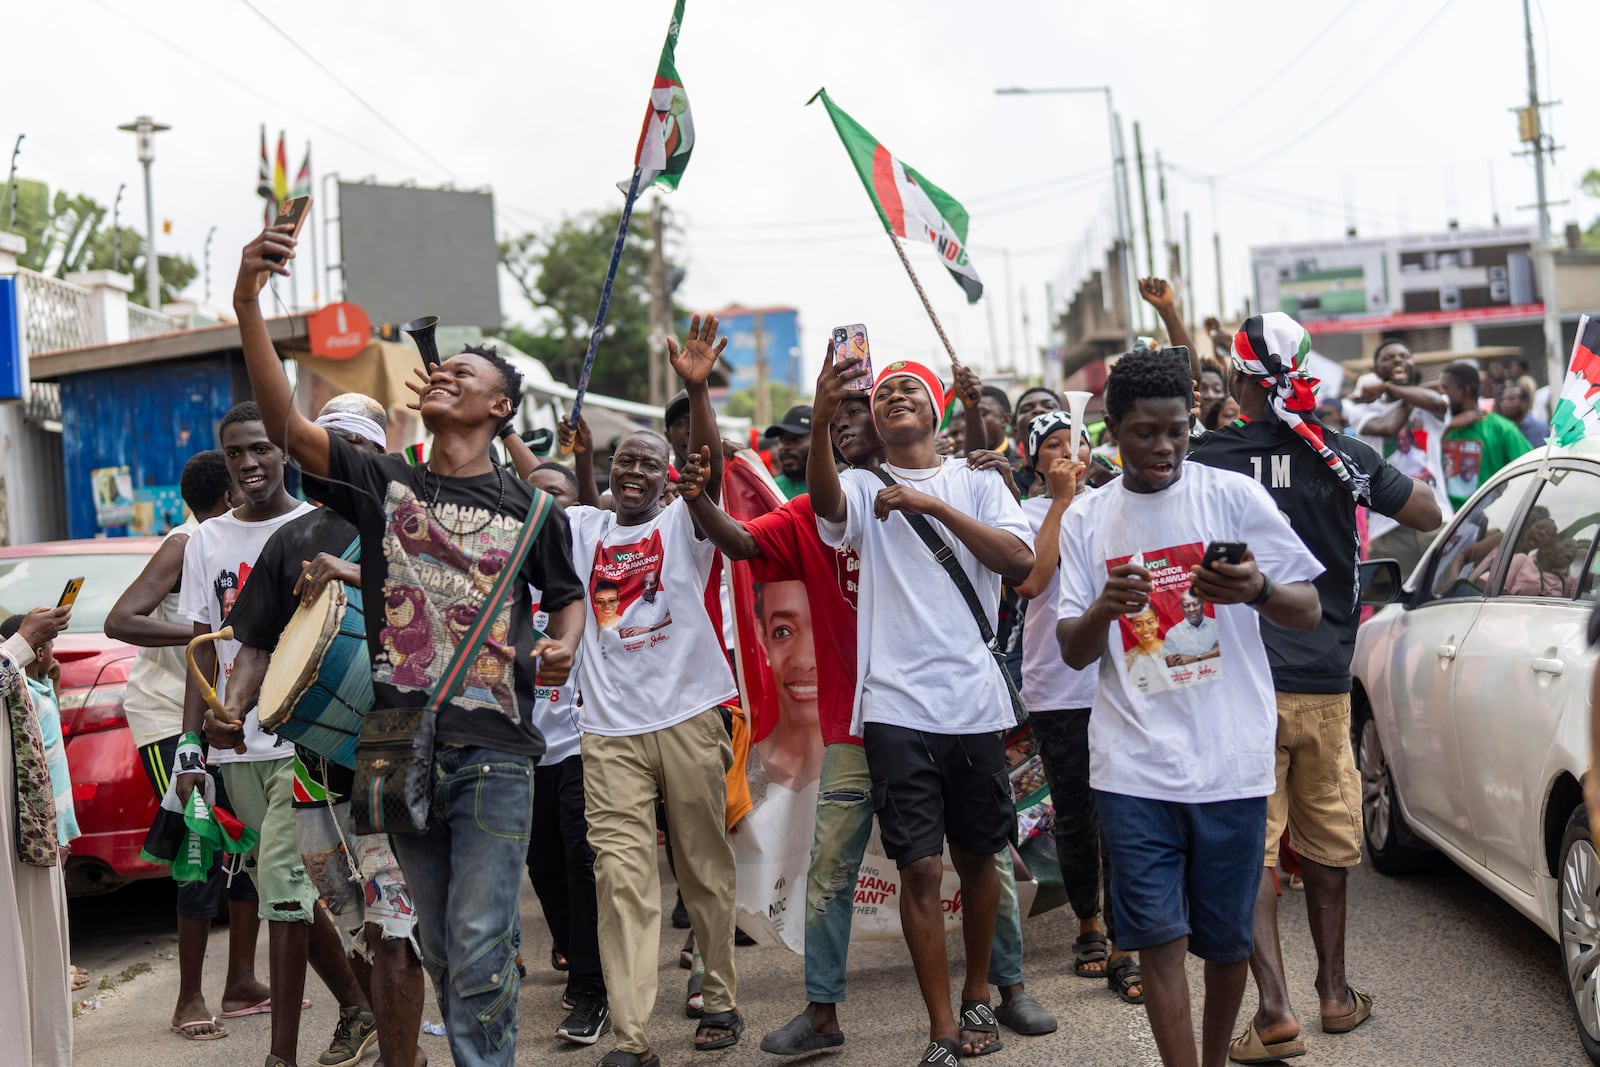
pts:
[28, 582]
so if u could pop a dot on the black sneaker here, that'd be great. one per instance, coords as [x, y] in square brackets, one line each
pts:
[590, 1018]
[353, 1034]
[680, 915]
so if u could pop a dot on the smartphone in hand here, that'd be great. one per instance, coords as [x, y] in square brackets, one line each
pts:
[292, 212]
[1223, 552]
[851, 342]
[70, 593]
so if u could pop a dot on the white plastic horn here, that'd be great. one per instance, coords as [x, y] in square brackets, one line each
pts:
[1078, 408]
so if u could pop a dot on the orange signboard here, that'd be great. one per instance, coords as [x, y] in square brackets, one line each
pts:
[339, 331]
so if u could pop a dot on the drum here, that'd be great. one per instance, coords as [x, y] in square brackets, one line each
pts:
[318, 685]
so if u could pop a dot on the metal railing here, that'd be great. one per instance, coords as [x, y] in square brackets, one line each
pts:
[44, 403]
[142, 322]
[55, 313]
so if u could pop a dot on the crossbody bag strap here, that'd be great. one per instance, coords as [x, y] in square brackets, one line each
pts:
[352, 551]
[456, 671]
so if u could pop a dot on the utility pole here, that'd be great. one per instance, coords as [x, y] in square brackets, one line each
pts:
[660, 306]
[763, 393]
[1144, 199]
[11, 185]
[1533, 135]
[209, 235]
[1188, 272]
[1216, 248]
[146, 128]
[1130, 259]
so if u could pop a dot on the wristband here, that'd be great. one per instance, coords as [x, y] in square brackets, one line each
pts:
[508, 430]
[1263, 596]
[190, 757]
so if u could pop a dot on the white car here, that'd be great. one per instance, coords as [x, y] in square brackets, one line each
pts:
[1470, 708]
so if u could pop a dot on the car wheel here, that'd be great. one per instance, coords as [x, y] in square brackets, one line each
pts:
[1578, 905]
[1388, 839]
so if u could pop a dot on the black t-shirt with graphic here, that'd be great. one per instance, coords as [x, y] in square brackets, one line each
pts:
[267, 603]
[1323, 513]
[431, 549]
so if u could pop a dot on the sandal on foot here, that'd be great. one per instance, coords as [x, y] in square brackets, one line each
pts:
[189, 1032]
[1026, 1016]
[1089, 948]
[978, 1018]
[798, 1037]
[941, 1053]
[694, 1005]
[1343, 1024]
[620, 1058]
[1249, 1048]
[558, 962]
[731, 1021]
[1122, 974]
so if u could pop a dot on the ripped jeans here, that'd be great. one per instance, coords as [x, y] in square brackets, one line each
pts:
[844, 825]
[465, 875]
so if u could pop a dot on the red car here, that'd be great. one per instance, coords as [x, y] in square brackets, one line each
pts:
[112, 795]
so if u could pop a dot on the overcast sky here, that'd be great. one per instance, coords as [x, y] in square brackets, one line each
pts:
[1398, 110]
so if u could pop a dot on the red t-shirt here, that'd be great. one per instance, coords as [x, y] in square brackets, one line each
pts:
[791, 550]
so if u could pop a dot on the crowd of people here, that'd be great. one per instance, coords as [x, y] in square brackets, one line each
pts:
[1169, 604]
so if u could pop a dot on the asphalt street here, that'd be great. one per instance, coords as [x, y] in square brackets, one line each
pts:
[1459, 977]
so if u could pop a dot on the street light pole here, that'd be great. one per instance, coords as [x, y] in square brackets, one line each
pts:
[1119, 190]
[146, 128]
[1533, 133]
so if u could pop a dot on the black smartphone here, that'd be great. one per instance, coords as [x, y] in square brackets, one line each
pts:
[293, 212]
[70, 593]
[1223, 552]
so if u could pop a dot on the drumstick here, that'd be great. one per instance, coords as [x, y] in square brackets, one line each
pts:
[207, 693]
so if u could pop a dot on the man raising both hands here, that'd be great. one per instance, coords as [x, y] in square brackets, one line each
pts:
[930, 702]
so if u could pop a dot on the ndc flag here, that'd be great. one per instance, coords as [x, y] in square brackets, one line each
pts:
[667, 137]
[1575, 416]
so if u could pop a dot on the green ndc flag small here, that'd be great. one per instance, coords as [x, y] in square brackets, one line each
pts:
[667, 137]
[908, 204]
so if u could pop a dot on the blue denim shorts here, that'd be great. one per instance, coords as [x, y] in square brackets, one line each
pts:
[1184, 870]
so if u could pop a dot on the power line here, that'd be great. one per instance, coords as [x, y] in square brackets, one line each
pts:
[357, 97]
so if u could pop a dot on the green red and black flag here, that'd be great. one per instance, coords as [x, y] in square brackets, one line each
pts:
[302, 177]
[1575, 416]
[667, 136]
[908, 204]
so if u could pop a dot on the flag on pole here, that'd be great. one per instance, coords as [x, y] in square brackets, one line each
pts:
[264, 176]
[280, 175]
[302, 178]
[908, 204]
[1575, 416]
[667, 136]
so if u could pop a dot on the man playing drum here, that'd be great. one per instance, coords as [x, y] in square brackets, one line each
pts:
[375, 915]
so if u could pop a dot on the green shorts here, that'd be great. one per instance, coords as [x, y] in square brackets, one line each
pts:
[263, 795]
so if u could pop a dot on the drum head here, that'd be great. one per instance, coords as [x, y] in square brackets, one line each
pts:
[300, 649]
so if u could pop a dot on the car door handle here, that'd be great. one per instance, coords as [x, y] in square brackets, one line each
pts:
[1552, 667]
[1446, 651]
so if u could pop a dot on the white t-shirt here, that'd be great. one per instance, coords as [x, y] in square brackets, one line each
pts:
[637, 679]
[216, 564]
[921, 665]
[555, 707]
[1415, 454]
[1197, 732]
[1048, 684]
[154, 702]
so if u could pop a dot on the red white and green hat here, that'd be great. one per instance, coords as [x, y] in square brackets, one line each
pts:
[901, 368]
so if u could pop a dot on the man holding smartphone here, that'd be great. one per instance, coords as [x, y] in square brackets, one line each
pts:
[1181, 771]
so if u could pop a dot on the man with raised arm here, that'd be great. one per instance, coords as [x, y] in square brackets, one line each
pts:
[930, 704]
[433, 538]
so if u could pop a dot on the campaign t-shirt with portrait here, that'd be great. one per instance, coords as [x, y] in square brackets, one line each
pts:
[555, 707]
[1472, 454]
[920, 664]
[791, 550]
[1186, 732]
[1322, 511]
[217, 564]
[1416, 452]
[432, 547]
[663, 663]
[1048, 684]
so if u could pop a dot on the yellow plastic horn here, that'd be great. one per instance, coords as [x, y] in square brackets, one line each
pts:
[207, 693]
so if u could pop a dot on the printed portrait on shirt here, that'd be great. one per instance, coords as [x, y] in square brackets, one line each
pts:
[1174, 642]
[1461, 464]
[629, 602]
[791, 747]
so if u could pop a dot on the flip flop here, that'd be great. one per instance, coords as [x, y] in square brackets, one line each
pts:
[798, 1037]
[1249, 1048]
[1089, 948]
[1343, 1024]
[978, 1018]
[730, 1021]
[942, 1053]
[263, 1008]
[80, 977]
[184, 1030]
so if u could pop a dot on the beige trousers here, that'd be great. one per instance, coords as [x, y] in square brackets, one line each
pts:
[685, 766]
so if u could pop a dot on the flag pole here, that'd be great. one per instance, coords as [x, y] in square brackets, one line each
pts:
[605, 301]
[1550, 441]
[316, 268]
[926, 305]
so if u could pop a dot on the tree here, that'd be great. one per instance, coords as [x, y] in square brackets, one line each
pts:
[1591, 187]
[742, 404]
[560, 273]
[66, 234]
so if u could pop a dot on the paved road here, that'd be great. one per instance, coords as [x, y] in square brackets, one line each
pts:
[1459, 978]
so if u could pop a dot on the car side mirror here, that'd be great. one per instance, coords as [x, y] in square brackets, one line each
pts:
[1381, 582]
